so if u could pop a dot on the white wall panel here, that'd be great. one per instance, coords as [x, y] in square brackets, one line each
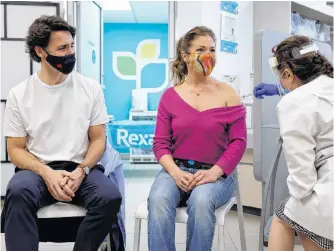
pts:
[89, 40]
[18, 27]
[3, 145]
[2, 21]
[15, 65]
[36, 67]
[7, 172]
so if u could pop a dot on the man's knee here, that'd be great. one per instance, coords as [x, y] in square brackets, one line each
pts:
[110, 196]
[21, 186]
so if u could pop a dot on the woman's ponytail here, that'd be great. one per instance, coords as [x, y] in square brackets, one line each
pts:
[179, 67]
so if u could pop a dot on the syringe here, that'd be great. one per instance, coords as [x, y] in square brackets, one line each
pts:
[246, 95]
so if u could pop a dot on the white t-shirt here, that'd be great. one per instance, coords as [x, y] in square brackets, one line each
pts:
[55, 118]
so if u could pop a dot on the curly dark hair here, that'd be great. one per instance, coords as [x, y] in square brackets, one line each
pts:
[40, 31]
[306, 68]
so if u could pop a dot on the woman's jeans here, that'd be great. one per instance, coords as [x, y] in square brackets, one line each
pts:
[201, 202]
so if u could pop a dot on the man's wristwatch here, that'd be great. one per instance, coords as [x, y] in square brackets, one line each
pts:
[86, 169]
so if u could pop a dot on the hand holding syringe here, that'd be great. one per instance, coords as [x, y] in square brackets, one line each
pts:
[261, 90]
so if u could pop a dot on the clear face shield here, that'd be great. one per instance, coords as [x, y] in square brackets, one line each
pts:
[296, 53]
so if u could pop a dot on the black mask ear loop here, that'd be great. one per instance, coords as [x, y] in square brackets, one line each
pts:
[47, 53]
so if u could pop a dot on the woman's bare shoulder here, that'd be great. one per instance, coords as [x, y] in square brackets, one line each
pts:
[227, 92]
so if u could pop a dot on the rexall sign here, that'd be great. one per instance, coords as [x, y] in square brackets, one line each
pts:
[127, 134]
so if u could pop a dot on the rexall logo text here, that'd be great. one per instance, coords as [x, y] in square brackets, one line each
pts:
[126, 139]
[127, 135]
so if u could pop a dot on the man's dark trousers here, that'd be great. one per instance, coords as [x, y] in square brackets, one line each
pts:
[27, 193]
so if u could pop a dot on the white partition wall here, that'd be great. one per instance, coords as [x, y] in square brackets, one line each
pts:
[86, 16]
[2, 30]
[89, 40]
[15, 62]
[4, 155]
[15, 65]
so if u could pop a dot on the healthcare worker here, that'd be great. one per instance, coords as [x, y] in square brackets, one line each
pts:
[306, 126]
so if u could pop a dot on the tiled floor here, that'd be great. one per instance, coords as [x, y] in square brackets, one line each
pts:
[139, 178]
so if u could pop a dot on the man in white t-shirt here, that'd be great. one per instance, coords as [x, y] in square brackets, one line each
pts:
[55, 128]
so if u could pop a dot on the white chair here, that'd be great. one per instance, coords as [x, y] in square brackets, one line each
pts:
[182, 217]
[64, 210]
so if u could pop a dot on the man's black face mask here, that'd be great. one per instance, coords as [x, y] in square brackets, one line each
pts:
[64, 64]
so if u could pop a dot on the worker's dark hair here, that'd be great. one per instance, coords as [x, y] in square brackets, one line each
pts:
[179, 67]
[306, 67]
[40, 31]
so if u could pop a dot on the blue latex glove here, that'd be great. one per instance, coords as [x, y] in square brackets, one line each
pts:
[264, 89]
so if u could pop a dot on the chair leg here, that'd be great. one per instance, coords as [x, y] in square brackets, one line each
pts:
[221, 238]
[136, 241]
[240, 216]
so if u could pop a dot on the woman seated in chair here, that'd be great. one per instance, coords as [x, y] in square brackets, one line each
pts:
[199, 140]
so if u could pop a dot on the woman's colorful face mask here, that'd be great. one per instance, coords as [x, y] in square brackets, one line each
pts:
[202, 63]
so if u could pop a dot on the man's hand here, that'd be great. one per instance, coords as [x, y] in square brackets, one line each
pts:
[55, 181]
[183, 179]
[65, 186]
[79, 175]
[206, 176]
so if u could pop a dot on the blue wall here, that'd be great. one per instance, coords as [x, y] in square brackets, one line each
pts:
[125, 37]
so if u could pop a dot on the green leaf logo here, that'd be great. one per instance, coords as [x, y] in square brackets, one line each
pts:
[126, 65]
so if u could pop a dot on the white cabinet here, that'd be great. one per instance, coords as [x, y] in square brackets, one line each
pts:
[250, 188]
